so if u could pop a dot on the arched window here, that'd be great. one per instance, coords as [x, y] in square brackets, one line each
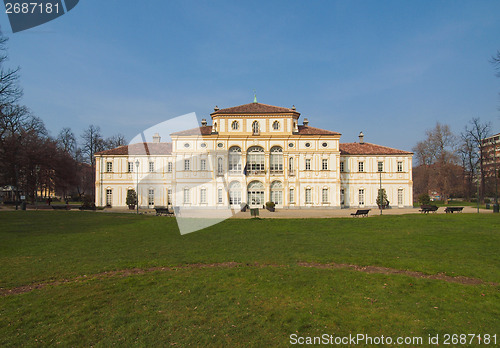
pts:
[276, 165]
[255, 127]
[277, 192]
[255, 160]
[235, 193]
[235, 160]
[214, 129]
[290, 166]
[255, 194]
[276, 125]
[220, 166]
[235, 125]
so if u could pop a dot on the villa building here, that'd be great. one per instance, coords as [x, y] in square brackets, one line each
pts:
[254, 153]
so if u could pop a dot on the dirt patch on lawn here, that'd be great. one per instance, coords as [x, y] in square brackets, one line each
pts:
[385, 270]
[137, 271]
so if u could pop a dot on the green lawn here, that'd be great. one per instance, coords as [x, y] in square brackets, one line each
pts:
[262, 300]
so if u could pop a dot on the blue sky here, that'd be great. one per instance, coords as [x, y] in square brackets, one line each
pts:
[388, 68]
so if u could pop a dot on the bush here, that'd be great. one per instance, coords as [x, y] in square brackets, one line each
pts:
[382, 198]
[87, 203]
[424, 199]
[131, 198]
[270, 205]
[487, 200]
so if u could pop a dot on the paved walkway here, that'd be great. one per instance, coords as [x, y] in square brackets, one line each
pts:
[285, 213]
[332, 213]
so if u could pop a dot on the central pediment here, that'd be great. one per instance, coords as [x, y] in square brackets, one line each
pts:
[253, 109]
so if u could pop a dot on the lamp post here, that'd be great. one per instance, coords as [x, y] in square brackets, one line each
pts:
[495, 207]
[381, 194]
[137, 185]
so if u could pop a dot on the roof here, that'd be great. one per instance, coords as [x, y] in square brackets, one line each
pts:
[369, 149]
[255, 108]
[306, 130]
[139, 149]
[205, 130]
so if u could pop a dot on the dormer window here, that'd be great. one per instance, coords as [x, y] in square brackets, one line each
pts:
[276, 125]
[235, 125]
[255, 127]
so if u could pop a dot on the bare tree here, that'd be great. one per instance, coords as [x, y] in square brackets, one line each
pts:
[115, 141]
[10, 91]
[92, 143]
[437, 159]
[477, 132]
[67, 141]
[469, 156]
[495, 60]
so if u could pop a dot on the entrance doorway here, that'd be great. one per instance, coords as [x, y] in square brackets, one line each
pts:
[255, 194]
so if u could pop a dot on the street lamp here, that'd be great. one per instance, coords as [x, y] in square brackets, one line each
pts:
[495, 207]
[381, 194]
[137, 186]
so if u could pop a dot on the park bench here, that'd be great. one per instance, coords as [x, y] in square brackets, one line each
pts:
[428, 208]
[361, 212]
[453, 209]
[61, 207]
[163, 211]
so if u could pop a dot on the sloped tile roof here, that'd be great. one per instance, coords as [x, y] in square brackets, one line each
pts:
[369, 149]
[205, 130]
[306, 130]
[255, 108]
[139, 149]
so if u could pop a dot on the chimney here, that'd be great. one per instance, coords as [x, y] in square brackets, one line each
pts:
[216, 108]
[361, 138]
[156, 138]
[204, 122]
[306, 122]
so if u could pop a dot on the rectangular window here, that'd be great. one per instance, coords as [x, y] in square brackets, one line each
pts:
[151, 167]
[361, 196]
[219, 196]
[186, 196]
[109, 167]
[203, 195]
[380, 166]
[290, 166]
[203, 164]
[400, 197]
[130, 167]
[308, 195]
[151, 198]
[186, 164]
[342, 196]
[308, 164]
[342, 166]
[400, 166]
[169, 197]
[361, 167]
[169, 167]
[220, 166]
[292, 195]
[324, 195]
[324, 164]
[109, 197]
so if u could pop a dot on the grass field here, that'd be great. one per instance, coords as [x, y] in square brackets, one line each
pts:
[84, 278]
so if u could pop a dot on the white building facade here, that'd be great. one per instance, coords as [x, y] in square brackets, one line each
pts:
[254, 153]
